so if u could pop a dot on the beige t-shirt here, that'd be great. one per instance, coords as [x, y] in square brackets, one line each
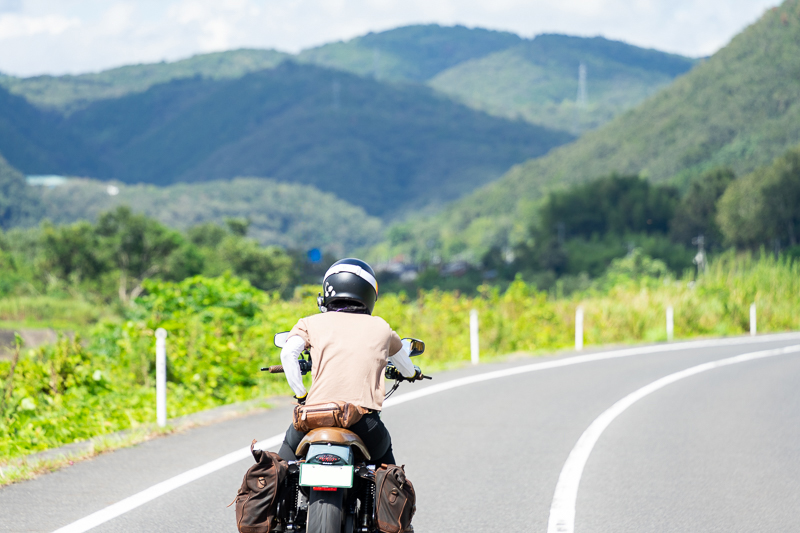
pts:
[349, 353]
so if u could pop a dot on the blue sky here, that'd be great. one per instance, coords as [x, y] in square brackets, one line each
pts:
[73, 36]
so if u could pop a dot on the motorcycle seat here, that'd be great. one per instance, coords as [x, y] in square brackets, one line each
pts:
[334, 436]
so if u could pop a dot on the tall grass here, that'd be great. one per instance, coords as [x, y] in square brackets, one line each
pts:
[630, 311]
[32, 311]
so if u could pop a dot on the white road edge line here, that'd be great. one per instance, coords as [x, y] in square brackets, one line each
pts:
[562, 509]
[132, 502]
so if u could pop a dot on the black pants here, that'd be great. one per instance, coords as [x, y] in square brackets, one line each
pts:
[371, 430]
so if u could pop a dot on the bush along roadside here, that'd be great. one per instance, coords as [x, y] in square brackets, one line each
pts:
[220, 334]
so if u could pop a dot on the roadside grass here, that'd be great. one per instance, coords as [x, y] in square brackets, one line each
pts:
[68, 313]
[28, 467]
[22, 469]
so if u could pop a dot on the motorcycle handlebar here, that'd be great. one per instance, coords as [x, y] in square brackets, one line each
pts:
[305, 367]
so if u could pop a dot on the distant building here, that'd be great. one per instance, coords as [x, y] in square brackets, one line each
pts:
[46, 181]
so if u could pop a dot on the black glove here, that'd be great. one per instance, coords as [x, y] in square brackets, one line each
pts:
[392, 373]
[302, 399]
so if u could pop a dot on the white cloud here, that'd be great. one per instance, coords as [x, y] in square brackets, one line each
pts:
[13, 25]
[59, 36]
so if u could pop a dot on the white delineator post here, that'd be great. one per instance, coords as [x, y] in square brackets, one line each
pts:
[670, 324]
[474, 343]
[579, 329]
[161, 377]
[753, 319]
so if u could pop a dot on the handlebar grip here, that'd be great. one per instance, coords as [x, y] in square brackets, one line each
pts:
[276, 369]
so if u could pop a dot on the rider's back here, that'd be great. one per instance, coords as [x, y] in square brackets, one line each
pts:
[349, 352]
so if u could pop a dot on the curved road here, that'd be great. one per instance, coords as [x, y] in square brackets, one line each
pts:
[714, 451]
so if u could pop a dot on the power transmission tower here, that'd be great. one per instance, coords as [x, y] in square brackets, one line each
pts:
[582, 98]
[582, 93]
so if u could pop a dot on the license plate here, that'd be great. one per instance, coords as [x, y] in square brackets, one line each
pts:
[326, 476]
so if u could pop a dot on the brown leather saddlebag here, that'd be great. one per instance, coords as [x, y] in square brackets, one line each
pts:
[326, 415]
[395, 500]
[258, 497]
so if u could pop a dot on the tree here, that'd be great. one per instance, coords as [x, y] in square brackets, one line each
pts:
[764, 206]
[207, 235]
[697, 211]
[226, 249]
[613, 204]
[268, 268]
[782, 199]
[238, 226]
[72, 251]
[139, 247]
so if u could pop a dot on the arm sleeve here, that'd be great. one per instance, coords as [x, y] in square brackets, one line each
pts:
[291, 351]
[402, 361]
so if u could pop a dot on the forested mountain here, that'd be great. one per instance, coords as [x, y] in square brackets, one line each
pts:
[538, 80]
[18, 204]
[505, 75]
[379, 146]
[69, 93]
[737, 109]
[363, 126]
[38, 142]
[497, 72]
[411, 53]
[293, 216]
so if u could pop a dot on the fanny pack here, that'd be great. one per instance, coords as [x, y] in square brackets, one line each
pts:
[327, 415]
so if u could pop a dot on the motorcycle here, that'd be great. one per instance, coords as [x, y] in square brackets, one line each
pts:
[331, 487]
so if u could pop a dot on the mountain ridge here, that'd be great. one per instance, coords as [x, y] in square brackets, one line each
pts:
[69, 93]
[538, 80]
[293, 121]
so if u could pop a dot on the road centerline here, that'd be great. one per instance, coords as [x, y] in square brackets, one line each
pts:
[562, 509]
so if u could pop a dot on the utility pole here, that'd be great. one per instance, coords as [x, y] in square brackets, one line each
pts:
[700, 258]
[474, 342]
[670, 324]
[161, 377]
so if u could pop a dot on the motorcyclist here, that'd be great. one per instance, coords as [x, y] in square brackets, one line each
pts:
[349, 348]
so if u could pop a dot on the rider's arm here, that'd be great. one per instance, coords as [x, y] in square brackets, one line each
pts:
[291, 367]
[402, 361]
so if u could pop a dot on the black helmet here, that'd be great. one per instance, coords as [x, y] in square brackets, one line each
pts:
[349, 284]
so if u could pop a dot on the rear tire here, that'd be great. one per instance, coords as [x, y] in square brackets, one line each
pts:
[325, 511]
[350, 524]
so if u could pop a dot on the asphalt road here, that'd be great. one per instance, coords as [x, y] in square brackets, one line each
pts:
[717, 451]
